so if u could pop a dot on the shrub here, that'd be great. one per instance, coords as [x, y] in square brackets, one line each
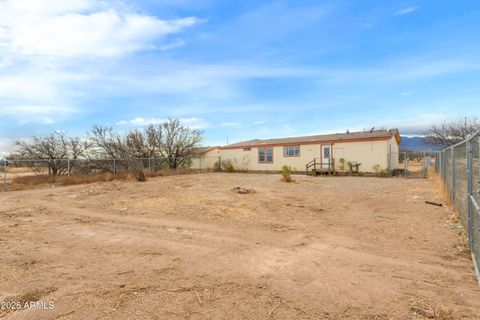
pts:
[349, 166]
[341, 164]
[217, 167]
[228, 166]
[376, 168]
[287, 174]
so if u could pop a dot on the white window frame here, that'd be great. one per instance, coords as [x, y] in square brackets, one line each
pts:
[295, 151]
[265, 154]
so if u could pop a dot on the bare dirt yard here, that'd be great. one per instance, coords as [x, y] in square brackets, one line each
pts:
[188, 247]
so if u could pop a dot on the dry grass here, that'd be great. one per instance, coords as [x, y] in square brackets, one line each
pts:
[80, 179]
[33, 295]
[33, 181]
[454, 217]
[288, 251]
[28, 182]
[22, 170]
[426, 309]
[440, 189]
[168, 172]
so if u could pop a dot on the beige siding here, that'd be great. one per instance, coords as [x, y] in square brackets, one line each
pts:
[206, 161]
[248, 159]
[368, 153]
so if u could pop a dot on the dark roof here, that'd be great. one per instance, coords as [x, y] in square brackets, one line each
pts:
[360, 135]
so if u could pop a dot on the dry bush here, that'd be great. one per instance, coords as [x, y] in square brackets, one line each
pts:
[228, 165]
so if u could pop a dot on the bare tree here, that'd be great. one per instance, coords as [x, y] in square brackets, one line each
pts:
[138, 144]
[55, 149]
[176, 142]
[451, 132]
[171, 141]
[107, 143]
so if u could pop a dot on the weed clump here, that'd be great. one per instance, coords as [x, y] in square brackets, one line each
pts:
[287, 174]
[228, 166]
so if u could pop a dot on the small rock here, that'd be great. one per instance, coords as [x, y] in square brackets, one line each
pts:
[457, 228]
[242, 190]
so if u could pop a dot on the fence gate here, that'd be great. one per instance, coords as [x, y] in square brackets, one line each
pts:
[414, 164]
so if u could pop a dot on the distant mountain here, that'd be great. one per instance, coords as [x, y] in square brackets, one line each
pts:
[417, 144]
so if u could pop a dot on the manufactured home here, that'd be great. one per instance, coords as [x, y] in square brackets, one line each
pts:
[365, 151]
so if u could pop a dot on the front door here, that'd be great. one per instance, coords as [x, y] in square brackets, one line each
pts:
[326, 156]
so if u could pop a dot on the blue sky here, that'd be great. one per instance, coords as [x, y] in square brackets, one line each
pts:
[236, 69]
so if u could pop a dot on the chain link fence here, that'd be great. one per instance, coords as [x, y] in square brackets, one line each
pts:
[459, 169]
[412, 164]
[14, 169]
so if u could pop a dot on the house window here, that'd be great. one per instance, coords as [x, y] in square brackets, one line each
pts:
[291, 151]
[247, 149]
[265, 154]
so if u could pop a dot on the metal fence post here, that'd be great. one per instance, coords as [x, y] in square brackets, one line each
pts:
[444, 165]
[389, 160]
[424, 165]
[114, 167]
[68, 167]
[439, 165]
[150, 164]
[469, 191]
[405, 160]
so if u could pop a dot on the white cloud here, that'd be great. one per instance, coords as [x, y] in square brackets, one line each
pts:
[407, 93]
[6, 146]
[193, 123]
[409, 68]
[79, 28]
[53, 51]
[173, 45]
[215, 80]
[230, 125]
[408, 10]
[44, 114]
[139, 121]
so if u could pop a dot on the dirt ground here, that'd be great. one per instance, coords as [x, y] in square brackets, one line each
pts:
[188, 247]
